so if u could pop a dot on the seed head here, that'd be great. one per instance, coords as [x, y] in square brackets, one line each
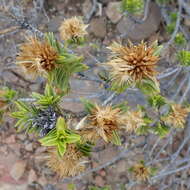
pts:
[72, 28]
[36, 57]
[132, 120]
[68, 165]
[141, 172]
[177, 116]
[132, 63]
[105, 120]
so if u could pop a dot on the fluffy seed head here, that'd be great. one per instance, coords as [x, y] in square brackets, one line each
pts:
[72, 28]
[141, 172]
[36, 57]
[177, 116]
[132, 120]
[132, 63]
[105, 120]
[68, 165]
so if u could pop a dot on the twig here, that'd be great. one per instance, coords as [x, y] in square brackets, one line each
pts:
[164, 75]
[180, 87]
[186, 92]
[146, 12]
[92, 11]
[176, 27]
[109, 99]
[170, 172]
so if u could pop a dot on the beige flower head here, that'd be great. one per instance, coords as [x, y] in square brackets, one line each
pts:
[36, 57]
[68, 165]
[105, 120]
[72, 29]
[132, 120]
[177, 116]
[132, 63]
[141, 172]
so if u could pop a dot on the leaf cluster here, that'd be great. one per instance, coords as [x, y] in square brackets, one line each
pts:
[67, 64]
[60, 137]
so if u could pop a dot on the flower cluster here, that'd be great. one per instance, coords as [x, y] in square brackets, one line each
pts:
[132, 64]
[177, 116]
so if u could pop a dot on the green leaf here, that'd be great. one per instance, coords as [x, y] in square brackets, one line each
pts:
[143, 130]
[61, 148]
[157, 100]
[123, 106]
[119, 88]
[161, 129]
[72, 138]
[116, 139]
[88, 106]
[183, 57]
[149, 87]
[86, 148]
[61, 126]
[132, 6]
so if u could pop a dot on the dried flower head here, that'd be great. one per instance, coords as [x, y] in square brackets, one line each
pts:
[68, 165]
[132, 63]
[105, 120]
[177, 116]
[36, 57]
[89, 135]
[72, 28]
[132, 120]
[141, 172]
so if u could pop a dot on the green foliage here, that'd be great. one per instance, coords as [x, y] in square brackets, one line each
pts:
[71, 186]
[149, 87]
[26, 116]
[115, 138]
[49, 97]
[60, 137]
[88, 106]
[119, 88]
[170, 27]
[153, 171]
[132, 6]
[86, 148]
[67, 64]
[28, 113]
[180, 39]
[173, 16]
[160, 129]
[183, 57]
[157, 101]
[7, 94]
[122, 106]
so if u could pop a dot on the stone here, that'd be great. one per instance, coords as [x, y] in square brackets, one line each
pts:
[11, 187]
[32, 177]
[10, 139]
[98, 27]
[86, 7]
[140, 31]
[113, 12]
[99, 181]
[17, 171]
[53, 25]
[29, 147]
[121, 166]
